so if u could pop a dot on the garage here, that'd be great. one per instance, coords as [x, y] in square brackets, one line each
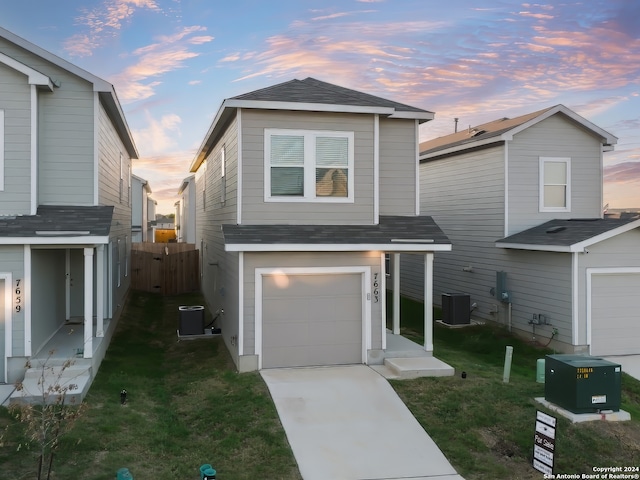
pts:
[312, 319]
[615, 317]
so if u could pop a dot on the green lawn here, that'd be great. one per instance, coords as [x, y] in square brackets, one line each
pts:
[187, 407]
[485, 427]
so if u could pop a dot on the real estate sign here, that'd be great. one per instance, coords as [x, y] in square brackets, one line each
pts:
[544, 443]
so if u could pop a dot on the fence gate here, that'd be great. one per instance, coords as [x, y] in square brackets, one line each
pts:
[165, 268]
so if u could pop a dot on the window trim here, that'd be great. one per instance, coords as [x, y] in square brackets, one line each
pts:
[309, 166]
[541, 184]
[2, 166]
[223, 174]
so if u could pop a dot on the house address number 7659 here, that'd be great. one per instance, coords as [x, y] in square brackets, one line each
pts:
[17, 300]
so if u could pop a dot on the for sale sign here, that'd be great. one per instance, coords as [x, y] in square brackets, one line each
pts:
[544, 443]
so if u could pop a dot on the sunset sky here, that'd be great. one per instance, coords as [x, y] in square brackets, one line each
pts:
[173, 62]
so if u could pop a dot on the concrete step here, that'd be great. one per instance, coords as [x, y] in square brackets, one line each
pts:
[405, 368]
[47, 385]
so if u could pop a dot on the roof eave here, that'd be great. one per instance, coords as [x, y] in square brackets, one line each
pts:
[422, 117]
[462, 147]
[113, 108]
[542, 248]
[53, 240]
[337, 247]
[224, 112]
[608, 234]
[308, 107]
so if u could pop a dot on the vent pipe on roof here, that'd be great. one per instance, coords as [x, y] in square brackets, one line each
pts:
[455, 130]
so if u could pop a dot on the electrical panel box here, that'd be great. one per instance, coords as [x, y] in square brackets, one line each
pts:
[502, 293]
[191, 320]
[456, 308]
[582, 384]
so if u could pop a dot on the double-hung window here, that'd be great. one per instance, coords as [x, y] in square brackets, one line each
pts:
[308, 166]
[555, 184]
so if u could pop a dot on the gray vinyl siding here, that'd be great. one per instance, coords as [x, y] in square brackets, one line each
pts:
[312, 259]
[554, 137]
[619, 251]
[66, 148]
[65, 140]
[219, 269]
[110, 147]
[49, 310]
[12, 261]
[465, 196]
[15, 101]
[254, 208]
[397, 167]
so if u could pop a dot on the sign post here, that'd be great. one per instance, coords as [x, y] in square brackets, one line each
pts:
[544, 444]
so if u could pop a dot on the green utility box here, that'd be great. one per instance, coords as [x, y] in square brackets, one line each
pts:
[582, 384]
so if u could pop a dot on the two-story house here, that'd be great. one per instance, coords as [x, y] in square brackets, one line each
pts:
[186, 211]
[521, 200]
[140, 191]
[65, 211]
[302, 188]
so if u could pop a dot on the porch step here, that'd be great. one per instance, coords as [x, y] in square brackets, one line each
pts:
[414, 367]
[39, 386]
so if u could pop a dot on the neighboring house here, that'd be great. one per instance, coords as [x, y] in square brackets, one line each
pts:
[302, 188]
[164, 230]
[523, 196]
[65, 207]
[140, 191]
[186, 211]
[151, 216]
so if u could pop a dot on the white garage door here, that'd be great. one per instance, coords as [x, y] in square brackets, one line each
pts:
[311, 320]
[615, 314]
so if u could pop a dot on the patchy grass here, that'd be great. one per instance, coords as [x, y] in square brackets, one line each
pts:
[485, 427]
[186, 406]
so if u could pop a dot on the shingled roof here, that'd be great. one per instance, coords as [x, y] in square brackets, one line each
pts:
[58, 221]
[572, 235]
[311, 90]
[503, 129]
[393, 232]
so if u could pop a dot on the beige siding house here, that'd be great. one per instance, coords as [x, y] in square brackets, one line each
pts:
[301, 190]
[523, 196]
[65, 210]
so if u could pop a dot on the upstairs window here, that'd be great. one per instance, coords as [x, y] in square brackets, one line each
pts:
[308, 166]
[555, 184]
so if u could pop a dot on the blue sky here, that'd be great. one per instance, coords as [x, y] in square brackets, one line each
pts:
[173, 62]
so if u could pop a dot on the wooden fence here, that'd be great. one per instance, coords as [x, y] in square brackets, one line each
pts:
[165, 268]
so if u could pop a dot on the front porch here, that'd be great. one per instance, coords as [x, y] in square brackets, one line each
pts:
[63, 362]
[404, 359]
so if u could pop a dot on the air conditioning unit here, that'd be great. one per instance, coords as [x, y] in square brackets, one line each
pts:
[456, 308]
[191, 320]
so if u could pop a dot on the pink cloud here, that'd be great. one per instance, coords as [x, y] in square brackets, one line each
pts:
[170, 52]
[103, 22]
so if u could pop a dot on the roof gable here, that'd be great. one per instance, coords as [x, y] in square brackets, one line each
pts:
[504, 129]
[106, 91]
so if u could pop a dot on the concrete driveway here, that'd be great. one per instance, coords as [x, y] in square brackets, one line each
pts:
[630, 364]
[346, 422]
